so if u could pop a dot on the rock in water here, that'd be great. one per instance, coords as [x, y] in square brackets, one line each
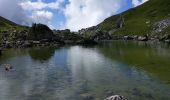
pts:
[8, 67]
[116, 97]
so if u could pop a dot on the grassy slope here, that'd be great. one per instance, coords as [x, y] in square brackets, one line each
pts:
[136, 19]
[6, 25]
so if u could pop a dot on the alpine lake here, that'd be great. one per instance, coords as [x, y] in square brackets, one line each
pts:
[136, 70]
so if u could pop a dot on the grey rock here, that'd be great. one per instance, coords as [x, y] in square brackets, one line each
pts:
[167, 41]
[36, 42]
[165, 37]
[161, 25]
[128, 38]
[142, 38]
[116, 97]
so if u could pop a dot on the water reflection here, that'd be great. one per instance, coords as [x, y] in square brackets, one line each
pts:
[79, 73]
[150, 57]
[41, 54]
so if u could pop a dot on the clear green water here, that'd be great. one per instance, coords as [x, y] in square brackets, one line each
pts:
[138, 71]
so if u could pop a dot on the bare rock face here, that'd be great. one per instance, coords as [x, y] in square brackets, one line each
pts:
[116, 97]
[161, 25]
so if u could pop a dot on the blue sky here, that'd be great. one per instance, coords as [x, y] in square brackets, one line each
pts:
[64, 14]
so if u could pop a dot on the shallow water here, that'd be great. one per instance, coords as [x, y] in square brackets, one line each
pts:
[138, 71]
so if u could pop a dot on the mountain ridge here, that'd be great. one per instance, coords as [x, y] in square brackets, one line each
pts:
[141, 20]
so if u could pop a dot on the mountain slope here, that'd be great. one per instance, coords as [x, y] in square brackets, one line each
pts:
[139, 20]
[7, 25]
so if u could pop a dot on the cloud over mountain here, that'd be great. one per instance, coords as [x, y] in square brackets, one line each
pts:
[12, 11]
[73, 14]
[85, 13]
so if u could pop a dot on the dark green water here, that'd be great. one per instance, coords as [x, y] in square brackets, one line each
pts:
[138, 71]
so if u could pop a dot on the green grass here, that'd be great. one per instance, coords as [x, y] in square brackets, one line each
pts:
[140, 20]
[7, 25]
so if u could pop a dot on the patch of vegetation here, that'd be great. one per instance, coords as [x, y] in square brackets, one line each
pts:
[7, 25]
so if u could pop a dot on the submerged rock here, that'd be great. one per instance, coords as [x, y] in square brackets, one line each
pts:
[8, 67]
[116, 97]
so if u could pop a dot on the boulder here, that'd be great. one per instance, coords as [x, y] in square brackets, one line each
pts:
[8, 67]
[135, 37]
[27, 44]
[116, 97]
[7, 44]
[36, 42]
[128, 38]
[143, 38]
[167, 40]
[165, 37]
[101, 35]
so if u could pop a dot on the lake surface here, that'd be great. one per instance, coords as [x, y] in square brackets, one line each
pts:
[136, 70]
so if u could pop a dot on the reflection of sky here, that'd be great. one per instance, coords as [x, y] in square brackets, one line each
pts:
[71, 72]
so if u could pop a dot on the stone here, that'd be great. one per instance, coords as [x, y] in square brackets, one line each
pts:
[161, 25]
[116, 97]
[26, 44]
[135, 37]
[101, 35]
[8, 67]
[167, 41]
[36, 42]
[128, 38]
[165, 37]
[142, 38]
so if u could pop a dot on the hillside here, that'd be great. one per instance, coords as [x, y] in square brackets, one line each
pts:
[142, 19]
[151, 18]
[7, 25]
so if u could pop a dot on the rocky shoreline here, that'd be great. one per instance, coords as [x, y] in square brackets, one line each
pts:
[40, 35]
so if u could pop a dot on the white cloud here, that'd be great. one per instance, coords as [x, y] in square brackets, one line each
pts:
[85, 13]
[12, 11]
[38, 5]
[42, 16]
[78, 13]
[39, 10]
[138, 2]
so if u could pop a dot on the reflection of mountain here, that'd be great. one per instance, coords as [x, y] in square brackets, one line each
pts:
[153, 59]
[10, 53]
[41, 54]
